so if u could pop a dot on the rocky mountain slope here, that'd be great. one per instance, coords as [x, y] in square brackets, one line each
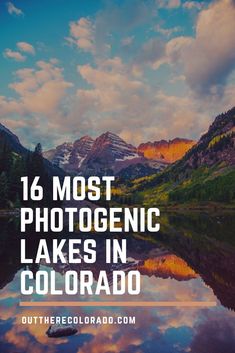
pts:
[69, 156]
[12, 140]
[110, 154]
[170, 151]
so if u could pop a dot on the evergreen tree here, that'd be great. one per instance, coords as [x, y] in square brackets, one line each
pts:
[38, 149]
[3, 190]
[37, 166]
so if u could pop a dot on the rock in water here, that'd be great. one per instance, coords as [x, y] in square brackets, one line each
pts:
[61, 330]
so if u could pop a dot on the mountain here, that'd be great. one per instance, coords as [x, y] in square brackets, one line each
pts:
[69, 156]
[205, 174]
[12, 140]
[215, 146]
[169, 151]
[109, 153]
[60, 154]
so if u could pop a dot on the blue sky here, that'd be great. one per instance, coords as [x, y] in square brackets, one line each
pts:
[145, 70]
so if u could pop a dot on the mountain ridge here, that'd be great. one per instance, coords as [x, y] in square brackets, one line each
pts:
[110, 153]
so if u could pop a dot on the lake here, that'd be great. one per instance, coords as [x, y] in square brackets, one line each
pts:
[191, 259]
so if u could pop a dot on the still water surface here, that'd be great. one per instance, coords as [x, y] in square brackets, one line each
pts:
[192, 258]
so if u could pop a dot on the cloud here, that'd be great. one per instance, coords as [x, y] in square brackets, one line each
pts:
[127, 40]
[26, 47]
[82, 34]
[96, 36]
[167, 31]
[193, 5]
[152, 53]
[122, 102]
[37, 112]
[168, 4]
[42, 89]
[175, 49]
[15, 55]
[125, 96]
[207, 59]
[156, 52]
[13, 10]
[115, 99]
[125, 16]
[113, 88]
[210, 58]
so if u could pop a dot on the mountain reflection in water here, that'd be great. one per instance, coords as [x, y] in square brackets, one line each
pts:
[192, 258]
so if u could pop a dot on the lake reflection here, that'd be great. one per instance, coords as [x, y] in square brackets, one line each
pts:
[192, 258]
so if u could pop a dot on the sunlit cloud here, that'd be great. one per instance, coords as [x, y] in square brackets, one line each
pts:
[15, 55]
[26, 47]
[82, 35]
